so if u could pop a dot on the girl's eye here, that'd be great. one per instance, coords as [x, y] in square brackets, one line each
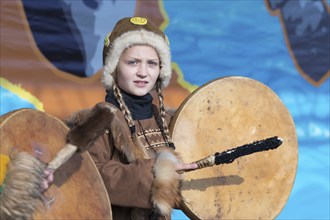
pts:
[153, 63]
[131, 62]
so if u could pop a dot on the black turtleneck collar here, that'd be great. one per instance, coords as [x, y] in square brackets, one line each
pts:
[140, 106]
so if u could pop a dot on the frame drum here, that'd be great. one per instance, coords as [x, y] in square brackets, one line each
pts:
[78, 191]
[223, 114]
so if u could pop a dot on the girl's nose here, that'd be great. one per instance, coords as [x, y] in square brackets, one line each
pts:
[142, 71]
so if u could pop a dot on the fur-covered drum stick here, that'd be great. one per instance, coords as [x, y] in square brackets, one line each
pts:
[230, 155]
[22, 191]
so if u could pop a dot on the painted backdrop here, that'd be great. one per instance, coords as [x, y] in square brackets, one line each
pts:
[51, 60]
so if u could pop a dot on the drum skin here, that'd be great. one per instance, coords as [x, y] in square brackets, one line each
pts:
[78, 191]
[223, 114]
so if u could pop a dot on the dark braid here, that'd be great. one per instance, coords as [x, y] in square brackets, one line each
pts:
[127, 115]
[123, 107]
[163, 114]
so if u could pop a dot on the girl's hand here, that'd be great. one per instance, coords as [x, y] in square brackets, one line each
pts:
[181, 168]
[48, 179]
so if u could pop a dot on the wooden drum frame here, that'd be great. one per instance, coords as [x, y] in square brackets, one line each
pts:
[78, 191]
[221, 115]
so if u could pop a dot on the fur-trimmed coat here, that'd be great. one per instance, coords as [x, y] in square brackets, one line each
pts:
[140, 180]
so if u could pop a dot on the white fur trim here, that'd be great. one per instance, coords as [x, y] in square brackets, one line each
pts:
[166, 182]
[165, 166]
[137, 37]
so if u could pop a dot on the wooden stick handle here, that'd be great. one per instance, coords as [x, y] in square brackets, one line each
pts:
[62, 156]
[205, 162]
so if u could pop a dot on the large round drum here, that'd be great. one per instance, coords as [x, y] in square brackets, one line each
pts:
[224, 114]
[78, 191]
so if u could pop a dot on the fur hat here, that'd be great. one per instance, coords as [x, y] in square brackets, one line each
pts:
[135, 31]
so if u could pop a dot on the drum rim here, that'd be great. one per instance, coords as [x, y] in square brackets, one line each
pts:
[185, 207]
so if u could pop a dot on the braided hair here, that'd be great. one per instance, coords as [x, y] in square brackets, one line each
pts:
[163, 125]
[129, 119]
[127, 114]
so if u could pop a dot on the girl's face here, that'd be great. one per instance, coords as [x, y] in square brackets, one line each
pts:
[138, 70]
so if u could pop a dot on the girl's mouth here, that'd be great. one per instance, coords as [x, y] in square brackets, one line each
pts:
[139, 83]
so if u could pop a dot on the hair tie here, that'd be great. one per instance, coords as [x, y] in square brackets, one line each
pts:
[171, 144]
[132, 129]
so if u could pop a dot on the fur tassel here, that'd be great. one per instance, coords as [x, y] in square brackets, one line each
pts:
[74, 119]
[21, 194]
[91, 126]
[166, 185]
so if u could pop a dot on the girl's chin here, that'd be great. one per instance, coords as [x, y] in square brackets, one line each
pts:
[139, 93]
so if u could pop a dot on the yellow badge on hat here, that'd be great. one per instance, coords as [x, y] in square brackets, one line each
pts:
[139, 21]
[106, 40]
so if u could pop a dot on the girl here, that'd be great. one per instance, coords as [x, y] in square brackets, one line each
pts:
[135, 156]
